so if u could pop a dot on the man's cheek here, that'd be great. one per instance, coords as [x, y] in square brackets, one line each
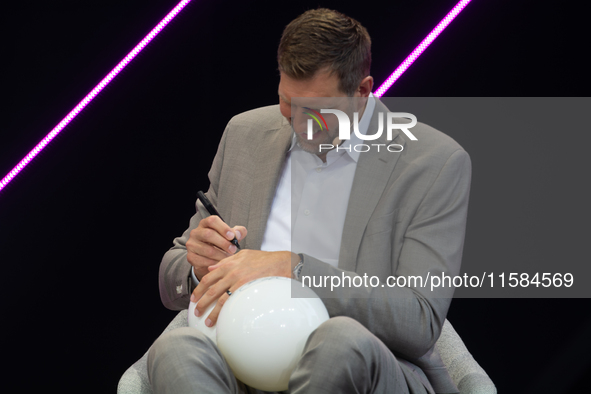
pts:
[285, 110]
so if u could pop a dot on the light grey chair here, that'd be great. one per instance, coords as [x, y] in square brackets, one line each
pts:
[464, 370]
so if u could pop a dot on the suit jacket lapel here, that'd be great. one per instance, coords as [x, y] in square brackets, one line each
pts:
[270, 160]
[371, 176]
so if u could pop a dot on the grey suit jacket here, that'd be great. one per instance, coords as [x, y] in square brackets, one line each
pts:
[406, 217]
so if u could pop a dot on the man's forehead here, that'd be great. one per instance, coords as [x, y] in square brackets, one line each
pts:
[320, 102]
[322, 84]
[311, 101]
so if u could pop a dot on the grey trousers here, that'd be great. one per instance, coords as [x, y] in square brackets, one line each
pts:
[340, 356]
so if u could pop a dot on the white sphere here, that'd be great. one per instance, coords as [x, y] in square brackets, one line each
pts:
[199, 322]
[262, 330]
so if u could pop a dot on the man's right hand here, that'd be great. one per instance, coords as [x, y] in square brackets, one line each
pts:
[210, 243]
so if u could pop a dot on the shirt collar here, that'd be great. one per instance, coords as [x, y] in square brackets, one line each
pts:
[363, 127]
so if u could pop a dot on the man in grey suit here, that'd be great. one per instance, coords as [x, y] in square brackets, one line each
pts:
[399, 213]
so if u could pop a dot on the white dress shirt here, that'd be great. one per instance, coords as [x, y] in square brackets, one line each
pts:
[308, 211]
[302, 193]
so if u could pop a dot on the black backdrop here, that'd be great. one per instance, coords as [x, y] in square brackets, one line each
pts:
[83, 228]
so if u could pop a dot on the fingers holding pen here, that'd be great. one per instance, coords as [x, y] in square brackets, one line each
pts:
[212, 230]
[219, 223]
[210, 242]
[237, 232]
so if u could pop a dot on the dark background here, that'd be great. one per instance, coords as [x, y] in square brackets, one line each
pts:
[83, 228]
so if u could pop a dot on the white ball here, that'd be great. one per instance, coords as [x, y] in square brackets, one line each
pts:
[262, 330]
[199, 322]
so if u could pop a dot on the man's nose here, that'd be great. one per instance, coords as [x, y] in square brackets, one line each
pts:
[299, 120]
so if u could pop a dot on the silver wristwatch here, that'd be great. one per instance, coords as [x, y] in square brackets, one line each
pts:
[297, 270]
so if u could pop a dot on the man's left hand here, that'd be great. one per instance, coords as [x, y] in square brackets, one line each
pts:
[235, 271]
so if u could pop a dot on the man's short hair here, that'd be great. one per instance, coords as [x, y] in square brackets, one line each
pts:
[325, 38]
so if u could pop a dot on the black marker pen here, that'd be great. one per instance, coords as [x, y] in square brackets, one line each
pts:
[212, 211]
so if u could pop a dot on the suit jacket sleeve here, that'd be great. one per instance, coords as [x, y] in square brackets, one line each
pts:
[174, 276]
[234, 172]
[431, 228]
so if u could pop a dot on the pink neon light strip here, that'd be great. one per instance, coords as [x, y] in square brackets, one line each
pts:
[421, 48]
[93, 93]
[57, 129]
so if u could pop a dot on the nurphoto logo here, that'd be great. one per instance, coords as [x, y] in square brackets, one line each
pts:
[345, 129]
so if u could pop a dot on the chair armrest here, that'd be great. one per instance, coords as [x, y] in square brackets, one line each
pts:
[135, 379]
[466, 373]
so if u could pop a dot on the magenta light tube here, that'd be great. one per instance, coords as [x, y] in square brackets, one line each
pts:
[93, 93]
[421, 48]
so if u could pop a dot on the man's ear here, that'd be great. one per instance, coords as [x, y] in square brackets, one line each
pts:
[365, 87]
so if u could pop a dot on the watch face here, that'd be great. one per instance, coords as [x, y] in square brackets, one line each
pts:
[298, 270]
